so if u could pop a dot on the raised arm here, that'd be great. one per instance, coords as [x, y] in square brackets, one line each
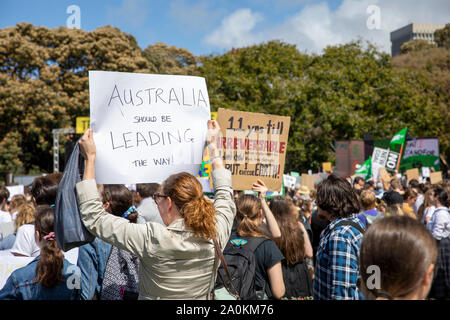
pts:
[223, 188]
[269, 224]
[114, 230]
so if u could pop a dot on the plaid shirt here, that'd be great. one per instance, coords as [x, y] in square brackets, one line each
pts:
[337, 262]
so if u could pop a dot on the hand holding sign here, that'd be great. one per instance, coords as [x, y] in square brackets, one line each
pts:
[87, 145]
[260, 187]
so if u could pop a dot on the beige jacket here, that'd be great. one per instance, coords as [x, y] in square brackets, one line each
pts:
[173, 263]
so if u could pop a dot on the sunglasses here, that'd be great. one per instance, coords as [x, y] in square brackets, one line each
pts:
[159, 195]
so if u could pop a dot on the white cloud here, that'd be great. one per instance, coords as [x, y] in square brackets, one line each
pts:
[236, 30]
[316, 25]
[133, 12]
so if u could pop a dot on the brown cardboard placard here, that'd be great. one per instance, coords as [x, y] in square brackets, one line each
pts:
[308, 180]
[435, 177]
[412, 174]
[385, 178]
[253, 146]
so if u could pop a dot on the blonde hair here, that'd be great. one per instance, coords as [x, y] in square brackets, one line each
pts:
[25, 214]
[368, 200]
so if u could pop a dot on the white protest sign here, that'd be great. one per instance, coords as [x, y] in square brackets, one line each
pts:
[426, 172]
[13, 190]
[147, 127]
[289, 181]
[9, 263]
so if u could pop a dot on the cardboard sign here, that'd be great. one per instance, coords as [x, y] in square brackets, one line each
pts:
[435, 177]
[385, 178]
[308, 180]
[326, 166]
[253, 146]
[13, 190]
[412, 174]
[289, 181]
[147, 127]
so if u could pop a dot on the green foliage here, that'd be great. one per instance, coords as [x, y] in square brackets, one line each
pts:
[442, 37]
[416, 45]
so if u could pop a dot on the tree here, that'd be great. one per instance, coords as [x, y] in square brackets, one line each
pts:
[44, 85]
[442, 37]
[171, 60]
[416, 45]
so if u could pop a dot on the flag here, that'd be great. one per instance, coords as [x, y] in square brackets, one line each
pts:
[365, 169]
[399, 138]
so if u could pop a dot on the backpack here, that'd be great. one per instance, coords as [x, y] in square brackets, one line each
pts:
[120, 281]
[240, 257]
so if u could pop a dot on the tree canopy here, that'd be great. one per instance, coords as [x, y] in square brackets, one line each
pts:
[338, 95]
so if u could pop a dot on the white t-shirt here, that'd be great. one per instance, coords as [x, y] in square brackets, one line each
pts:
[25, 243]
[428, 213]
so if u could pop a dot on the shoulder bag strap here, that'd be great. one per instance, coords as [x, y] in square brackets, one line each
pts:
[225, 266]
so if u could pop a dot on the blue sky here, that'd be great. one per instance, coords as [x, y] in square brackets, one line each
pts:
[215, 26]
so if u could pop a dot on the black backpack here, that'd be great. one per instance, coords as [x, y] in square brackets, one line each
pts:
[239, 254]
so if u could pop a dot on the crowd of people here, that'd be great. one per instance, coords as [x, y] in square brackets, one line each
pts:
[343, 240]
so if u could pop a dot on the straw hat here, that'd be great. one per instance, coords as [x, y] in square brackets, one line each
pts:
[304, 190]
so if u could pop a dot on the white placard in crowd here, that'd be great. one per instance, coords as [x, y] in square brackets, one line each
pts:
[289, 181]
[13, 190]
[9, 263]
[425, 172]
[147, 127]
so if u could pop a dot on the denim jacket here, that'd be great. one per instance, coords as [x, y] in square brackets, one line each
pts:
[92, 259]
[20, 285]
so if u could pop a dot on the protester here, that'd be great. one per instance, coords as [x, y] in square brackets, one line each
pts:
[295, 246]
[370, 213]
[269, 275]
[175, 262]
[409, 199]
[46, 277]
[43, 192]
[439, 226]
[405, 255]
[95, 257]
[394, 194]
[337, 269]
[358, 183]
[147, 208]
[25, 215]
[427, 208]
[418, 189]
[16, 201]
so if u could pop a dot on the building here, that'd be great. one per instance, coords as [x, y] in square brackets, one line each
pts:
[413, 31]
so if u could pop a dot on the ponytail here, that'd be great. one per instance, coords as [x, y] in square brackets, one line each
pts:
[199, 216]
[187, 194]
[50, 264]
[248, 208]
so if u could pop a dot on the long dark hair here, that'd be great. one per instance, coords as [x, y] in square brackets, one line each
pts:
[50, 264]
[120, 200]
[291, 242]
[336, 196]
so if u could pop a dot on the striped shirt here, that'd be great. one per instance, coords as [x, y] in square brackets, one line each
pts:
[337, 262]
